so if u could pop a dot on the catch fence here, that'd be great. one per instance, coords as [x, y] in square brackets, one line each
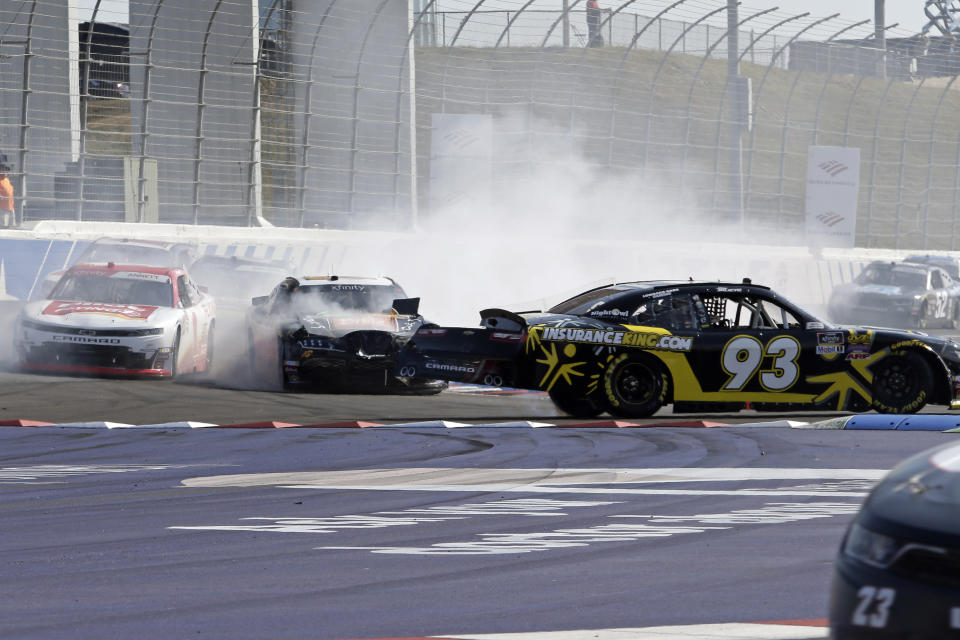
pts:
[392, 114]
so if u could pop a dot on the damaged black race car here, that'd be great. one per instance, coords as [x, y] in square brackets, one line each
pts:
[915, 293]
[335, 333]
[630, 349]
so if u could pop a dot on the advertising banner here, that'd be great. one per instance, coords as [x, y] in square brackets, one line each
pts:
[833, 186]
[461, 154]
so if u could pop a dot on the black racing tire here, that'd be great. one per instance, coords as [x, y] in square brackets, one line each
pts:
[175, 357]
[284, 380]
[923, 322]
[574, 405]
[902, 383]
[634, 386]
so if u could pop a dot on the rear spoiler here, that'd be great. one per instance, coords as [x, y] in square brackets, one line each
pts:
[502, 320]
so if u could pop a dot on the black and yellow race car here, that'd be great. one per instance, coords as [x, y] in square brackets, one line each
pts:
[630, 349]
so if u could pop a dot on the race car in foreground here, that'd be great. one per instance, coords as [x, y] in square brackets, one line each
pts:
[908, 294]
[629, 349]
[897, 573]
[335, 333]
[123, 320]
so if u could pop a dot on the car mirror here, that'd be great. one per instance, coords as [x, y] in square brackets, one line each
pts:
[406, 306]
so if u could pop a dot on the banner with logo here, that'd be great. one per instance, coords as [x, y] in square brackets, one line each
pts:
[461, 162]
[833, 186]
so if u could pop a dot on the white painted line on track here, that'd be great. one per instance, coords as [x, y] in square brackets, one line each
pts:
[726, 631]
[427, 478]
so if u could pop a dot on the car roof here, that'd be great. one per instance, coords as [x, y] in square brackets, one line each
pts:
[320, 281]
[160, 244]
[135, 268]
[213, 260]
[659, 285]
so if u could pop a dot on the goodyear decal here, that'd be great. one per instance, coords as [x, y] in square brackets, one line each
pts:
[624, 338]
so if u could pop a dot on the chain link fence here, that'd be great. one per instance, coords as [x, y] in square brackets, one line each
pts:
[355, 115]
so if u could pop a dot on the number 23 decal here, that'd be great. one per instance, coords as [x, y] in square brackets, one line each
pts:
[743, 356]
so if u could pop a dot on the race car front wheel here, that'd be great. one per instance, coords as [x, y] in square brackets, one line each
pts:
[634, 387]
[902, 383]
[575, 405]
[175, 356]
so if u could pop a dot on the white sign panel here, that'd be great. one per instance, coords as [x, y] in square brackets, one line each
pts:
[833, 185]
[461, 154]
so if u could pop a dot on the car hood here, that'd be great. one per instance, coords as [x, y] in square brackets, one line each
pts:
[93, 314]
[338, 325]
[920, 499]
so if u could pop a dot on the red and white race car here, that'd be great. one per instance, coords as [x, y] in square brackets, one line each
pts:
[119, 320]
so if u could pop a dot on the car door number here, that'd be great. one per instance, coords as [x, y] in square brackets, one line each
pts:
[874, 607]
[942, 298]
[742, 357]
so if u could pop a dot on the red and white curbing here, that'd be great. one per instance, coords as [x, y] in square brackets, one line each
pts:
[787, 630]
[921, 422]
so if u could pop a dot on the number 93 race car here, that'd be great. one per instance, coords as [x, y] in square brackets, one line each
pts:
[118, 320]
[629, 349]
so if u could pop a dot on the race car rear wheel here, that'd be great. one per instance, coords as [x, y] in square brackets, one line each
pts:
[575, 405]
[634, 386]
[902, 383]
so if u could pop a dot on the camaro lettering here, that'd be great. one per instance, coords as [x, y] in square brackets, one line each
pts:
[86, 340]
[449, 367]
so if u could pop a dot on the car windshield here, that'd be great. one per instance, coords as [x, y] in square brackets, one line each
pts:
[582, 303]
[907, 278]
[116, 289]
[128, 254]
[336, 298]
[241, 282]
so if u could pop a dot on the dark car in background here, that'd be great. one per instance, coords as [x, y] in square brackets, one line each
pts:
[897, 574]
[629, 349]
[233, 280]
[335, 333]
[910, 295]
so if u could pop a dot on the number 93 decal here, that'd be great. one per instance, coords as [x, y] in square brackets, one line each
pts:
[743, 356]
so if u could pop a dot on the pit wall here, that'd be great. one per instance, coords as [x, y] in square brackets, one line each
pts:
[466, 272]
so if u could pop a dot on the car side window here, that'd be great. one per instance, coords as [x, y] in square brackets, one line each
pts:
[670, 312]
[936, 281]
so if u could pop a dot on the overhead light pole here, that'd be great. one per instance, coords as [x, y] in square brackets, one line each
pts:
[879, 21]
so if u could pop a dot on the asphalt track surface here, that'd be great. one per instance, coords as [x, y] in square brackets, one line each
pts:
[374, 533]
